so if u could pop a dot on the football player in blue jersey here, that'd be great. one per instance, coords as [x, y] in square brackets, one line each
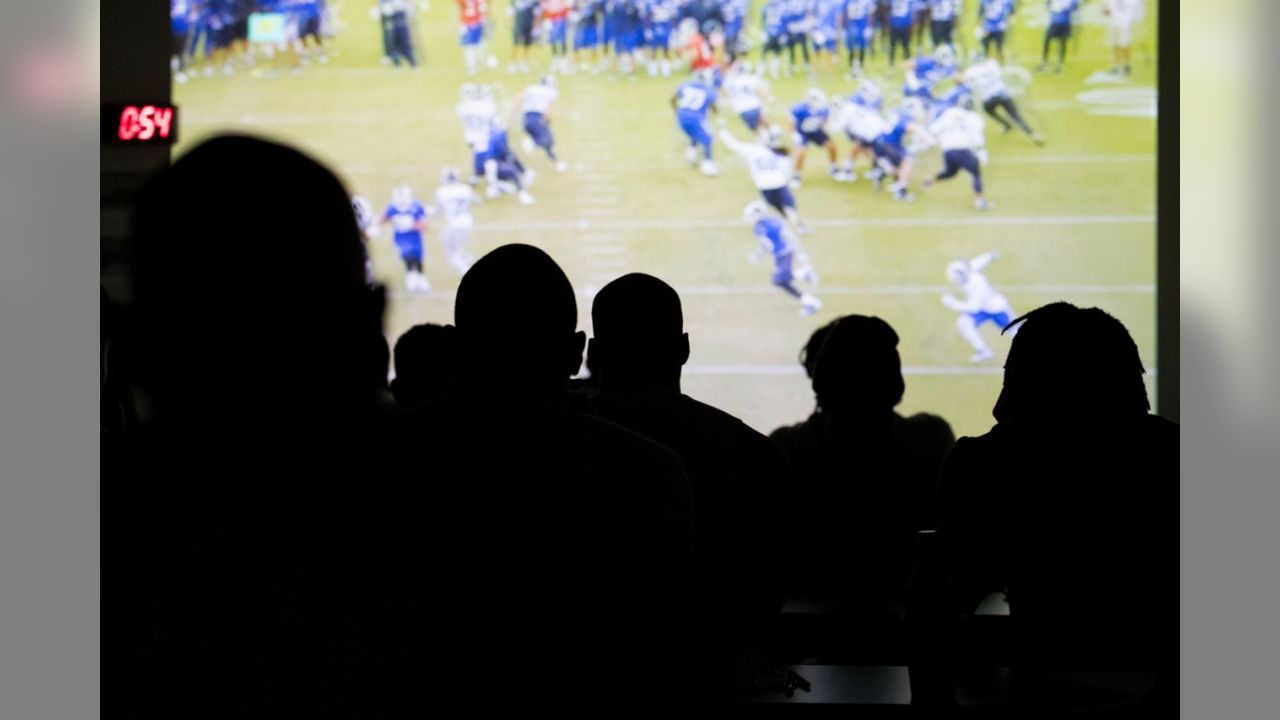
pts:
[993, 19]
[942, 21]
[181, 19]
[504, 173]
[310, 26]
[809, 122]
[892, 156]
[826, 31]
[692, 101]
[660, 21]
[735, 13]
[526, 12]
[586, 36]
[789, 259]
[1060, 20]
[926, 71]
[799, 19]
[859, 32]
[773, 18]
[396, 31]
[408, 219]
[901, 14]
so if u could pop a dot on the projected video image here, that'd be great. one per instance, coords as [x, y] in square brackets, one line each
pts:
[943, 164]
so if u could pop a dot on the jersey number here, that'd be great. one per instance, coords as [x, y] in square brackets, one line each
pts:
[692, 98]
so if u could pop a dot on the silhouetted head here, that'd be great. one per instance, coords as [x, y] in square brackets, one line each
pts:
[1067, 363]
[517, 321]
[809, 353]
[250, 282]
[639, 334]
[426, 358]
[857, 368]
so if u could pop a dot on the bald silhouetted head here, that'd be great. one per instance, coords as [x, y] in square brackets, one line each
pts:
[858, 368]
[1068, 363]
[639, 334]
[426, 358]
[249, 278]
[517, 320]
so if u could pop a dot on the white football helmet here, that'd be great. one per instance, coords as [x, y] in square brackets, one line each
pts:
[469, 91]
[754, 211]
[773, 138]
[450, 175]
[914, 108]
[548, 80]
[402, 196]
[744, 67]
[958, 272]
[945, 54]
[815, 97]
[486, 92]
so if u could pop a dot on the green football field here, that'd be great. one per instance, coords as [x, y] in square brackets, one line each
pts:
[1074, 220]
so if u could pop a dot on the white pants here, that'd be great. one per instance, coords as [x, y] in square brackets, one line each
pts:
[1120, 35]
[454, 239]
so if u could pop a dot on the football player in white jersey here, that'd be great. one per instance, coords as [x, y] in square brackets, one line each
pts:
[985, 78]
[535, 111]
[476, 113]
[770, 171]
[982, 303]
[454, 199]
[959, 131]
[862, 123]
[746, 92]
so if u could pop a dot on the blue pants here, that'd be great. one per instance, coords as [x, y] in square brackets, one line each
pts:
[472, 34]
[695, 126]
[953, 161]
[588, 36]
[817, 137]
[855, 35]
[409, 246]
[659, 36]
[780, 199]
[536, 127]
[1001, 319]
[894, 154]
[782, 273]
[559, 38]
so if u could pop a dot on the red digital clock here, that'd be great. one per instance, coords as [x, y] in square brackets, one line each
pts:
[140, 124]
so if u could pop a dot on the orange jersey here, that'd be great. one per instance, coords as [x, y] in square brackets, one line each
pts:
[556, 9]
[701, 55]
[472, 11]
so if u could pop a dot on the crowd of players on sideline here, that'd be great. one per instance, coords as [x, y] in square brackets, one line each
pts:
[589, 34]
[938, 107]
